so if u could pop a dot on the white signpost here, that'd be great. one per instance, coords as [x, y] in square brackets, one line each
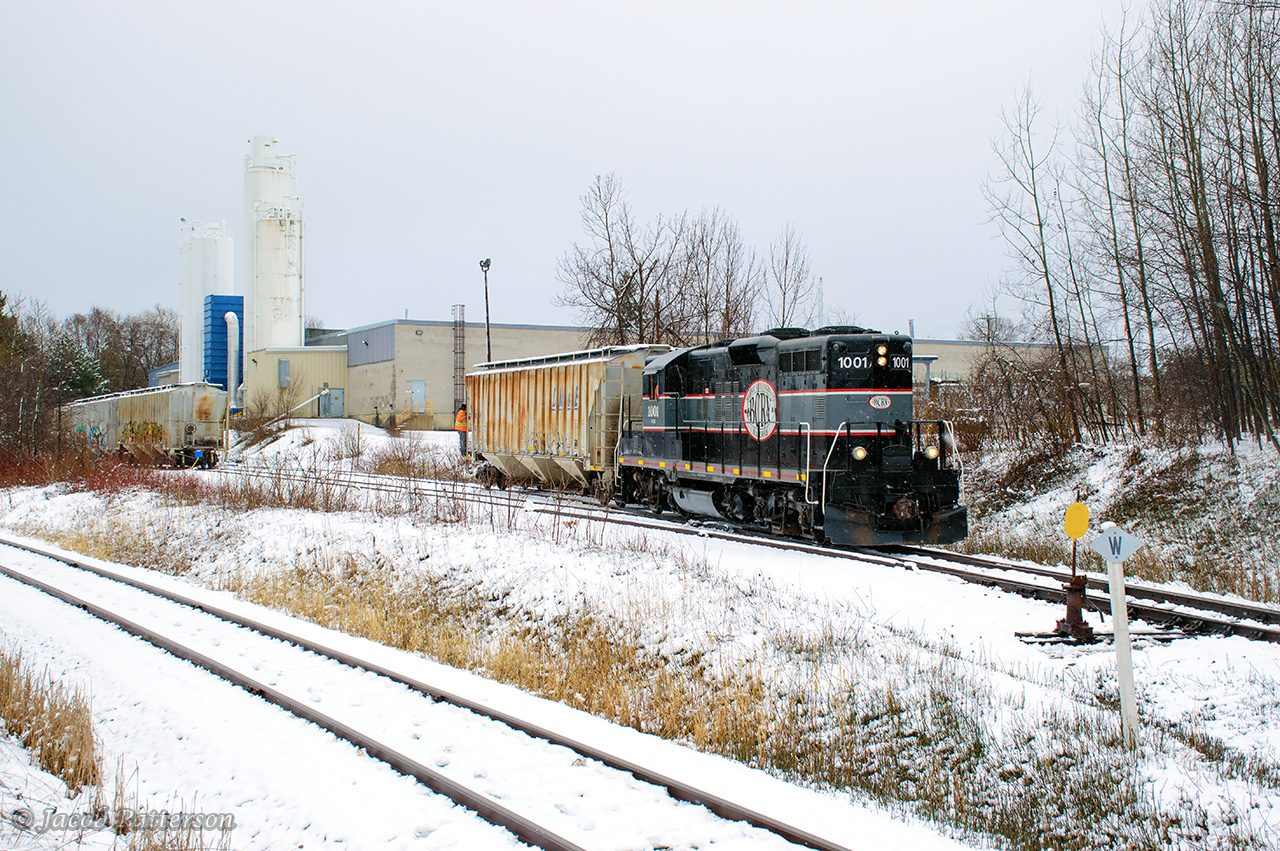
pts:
[1115, 545]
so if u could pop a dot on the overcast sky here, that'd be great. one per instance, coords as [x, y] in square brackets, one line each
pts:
[432, 135]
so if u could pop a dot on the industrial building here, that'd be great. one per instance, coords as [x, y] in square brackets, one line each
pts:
[413, 369]
[284, 378]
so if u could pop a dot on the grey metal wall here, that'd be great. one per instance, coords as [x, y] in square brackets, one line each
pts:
[372, 345]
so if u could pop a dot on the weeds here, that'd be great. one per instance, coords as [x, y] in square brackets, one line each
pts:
[177, 827]
[50, 720]
[1203, 524]
[53, 722]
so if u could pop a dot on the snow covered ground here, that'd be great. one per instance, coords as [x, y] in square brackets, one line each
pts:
[855, 628]
[1208, 512]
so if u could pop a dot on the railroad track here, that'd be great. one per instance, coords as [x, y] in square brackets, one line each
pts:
[1163, 607]
[74, 581]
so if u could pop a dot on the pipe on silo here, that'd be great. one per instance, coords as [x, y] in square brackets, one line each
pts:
[233, 354]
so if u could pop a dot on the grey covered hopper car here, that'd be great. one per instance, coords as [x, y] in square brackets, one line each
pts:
[182, 424]
[555, 420]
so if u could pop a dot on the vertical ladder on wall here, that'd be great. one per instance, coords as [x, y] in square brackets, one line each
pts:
[459, 356]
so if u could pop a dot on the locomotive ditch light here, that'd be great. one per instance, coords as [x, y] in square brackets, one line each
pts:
[859, 453]
[931, 452]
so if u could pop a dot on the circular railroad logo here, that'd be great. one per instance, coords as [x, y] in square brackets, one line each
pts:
[760, 410]
[879, 402]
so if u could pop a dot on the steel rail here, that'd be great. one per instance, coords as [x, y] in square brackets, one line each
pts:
[491, 811]
[1242, 608]
[675, 788]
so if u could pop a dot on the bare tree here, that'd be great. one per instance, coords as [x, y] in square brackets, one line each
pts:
[990, 327]
[597, 275]
[126, 347]
[1158, 243]
[621, 279]
[679, 279]
[788, 283]
[1020, 197]
[721, 278]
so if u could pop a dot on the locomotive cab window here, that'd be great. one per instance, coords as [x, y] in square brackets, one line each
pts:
[805, 360]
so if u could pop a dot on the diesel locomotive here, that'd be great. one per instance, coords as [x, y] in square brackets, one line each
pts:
[796, 432]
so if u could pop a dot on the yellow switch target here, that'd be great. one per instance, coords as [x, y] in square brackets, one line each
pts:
[1077, 520]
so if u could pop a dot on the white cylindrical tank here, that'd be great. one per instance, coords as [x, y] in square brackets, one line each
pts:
[233, 354]
[205, 267]
[272, 249]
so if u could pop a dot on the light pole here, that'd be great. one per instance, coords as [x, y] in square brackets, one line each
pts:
[488, 344]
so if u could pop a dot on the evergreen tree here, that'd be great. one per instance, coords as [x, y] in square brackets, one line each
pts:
[72, 373]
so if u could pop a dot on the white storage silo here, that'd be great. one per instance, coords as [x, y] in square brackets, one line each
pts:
[272, 249]
[205, 267]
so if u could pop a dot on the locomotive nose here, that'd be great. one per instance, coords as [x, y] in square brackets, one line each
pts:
[906, 508]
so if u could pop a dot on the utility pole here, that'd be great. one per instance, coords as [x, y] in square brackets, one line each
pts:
[488, 343]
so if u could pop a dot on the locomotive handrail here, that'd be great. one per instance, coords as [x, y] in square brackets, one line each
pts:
[825, 464]
[808, 464]
[948, 440]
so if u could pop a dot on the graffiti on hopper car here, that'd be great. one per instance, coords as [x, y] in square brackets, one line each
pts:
[145, 432]
[91, 437]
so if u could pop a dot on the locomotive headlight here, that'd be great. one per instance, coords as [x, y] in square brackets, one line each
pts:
[882, 360]
[931, 452]
[882, 349]
[859, 453]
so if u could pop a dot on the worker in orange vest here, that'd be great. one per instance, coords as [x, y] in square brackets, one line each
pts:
[460, 425]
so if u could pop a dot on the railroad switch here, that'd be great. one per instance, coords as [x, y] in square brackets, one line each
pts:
[1073, 625]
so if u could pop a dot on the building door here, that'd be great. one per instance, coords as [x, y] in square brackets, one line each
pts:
[331, 405]
[418, 394]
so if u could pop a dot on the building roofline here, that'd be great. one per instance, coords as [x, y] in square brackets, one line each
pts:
[982, 343]
[301, 350]
[448, 323]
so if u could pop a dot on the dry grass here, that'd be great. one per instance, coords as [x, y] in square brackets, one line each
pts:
[154, 543]
[51, 721]
[54, 723]
[586, 660]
